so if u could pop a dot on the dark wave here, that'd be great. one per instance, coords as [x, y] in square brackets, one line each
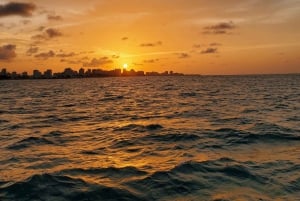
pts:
[56, 133]
[140, 128]
[112, 98]
[188, 94]
[194, 177]
[3, 121]
[153, 138]
[30, 141]
[236, 137]
[56, 187]
[171, 137]
[111, 172]
[293, 186]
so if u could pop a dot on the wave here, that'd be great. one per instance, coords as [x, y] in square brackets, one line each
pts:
[57, 187]
[112, 98]
[140, 128]
[171, 137]
[196, 178]
[110, 172]
[30, 141]
[188, 94]
[56, 133]
[235, 137]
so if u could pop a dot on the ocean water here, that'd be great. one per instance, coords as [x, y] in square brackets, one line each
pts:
[214, 138]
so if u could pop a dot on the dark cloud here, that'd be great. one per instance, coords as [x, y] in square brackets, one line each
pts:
[137, 64]
[150, 60]
[54, 17]
[77, 62]
[183, 55]
[215, 44]
[32, 50]
[41, 28]
[52, 33]
[158, 43]
[7, 52]
[48, 34]
[115, 56]
[124, 38]
[221, 28]
[210, 51]
[63, 55]
[197, 46]
[25, 22]
[16, 8]
[45, 55]
[98, 62]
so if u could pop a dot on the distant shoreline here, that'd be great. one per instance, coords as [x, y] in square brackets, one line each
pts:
[175, 75]
[69, 73]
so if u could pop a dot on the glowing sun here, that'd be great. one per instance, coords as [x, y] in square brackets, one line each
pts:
[125, 66]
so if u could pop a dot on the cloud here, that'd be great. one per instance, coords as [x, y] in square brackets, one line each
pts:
[115, 56]
[45, 55]
[150, 60]
[221, 28]
[52, 33]
[48, 34]
[183, 55]
[25, 22]
[197, 46]
[40, 28]
[7, 52]
[210, 51]
[215, 44]
[158, 43]
[32, 50]
[77, 62]
[63, 55]
[54, 17]
[98, 62]
[124, 38]
[16, 8]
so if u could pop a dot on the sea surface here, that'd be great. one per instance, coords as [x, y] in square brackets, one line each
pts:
[211, 138]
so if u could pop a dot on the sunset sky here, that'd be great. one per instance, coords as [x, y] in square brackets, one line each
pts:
[188, 36]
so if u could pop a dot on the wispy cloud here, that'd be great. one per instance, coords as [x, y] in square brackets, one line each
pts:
[45, 55]
[63, 55]
[220, 28]
[183, 55]
[98, 62]
[158, 43]
[54, 17]
[48, 34]
[209, 51]
[32, 50]
[150, 60]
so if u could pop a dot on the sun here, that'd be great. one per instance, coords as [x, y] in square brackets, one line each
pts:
[125, 66]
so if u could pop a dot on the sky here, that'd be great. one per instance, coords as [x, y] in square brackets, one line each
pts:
[186, 36]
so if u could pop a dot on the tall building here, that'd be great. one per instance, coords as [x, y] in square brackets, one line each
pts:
[36, 74]
[48, 74]
[81, 72]
[3, 73]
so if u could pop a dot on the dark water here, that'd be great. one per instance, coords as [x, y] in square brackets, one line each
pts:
[151, 138]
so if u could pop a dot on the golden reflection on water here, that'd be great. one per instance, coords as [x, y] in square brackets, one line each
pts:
[108, 127]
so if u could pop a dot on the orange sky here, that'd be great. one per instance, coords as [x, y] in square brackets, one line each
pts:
[188, 36]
